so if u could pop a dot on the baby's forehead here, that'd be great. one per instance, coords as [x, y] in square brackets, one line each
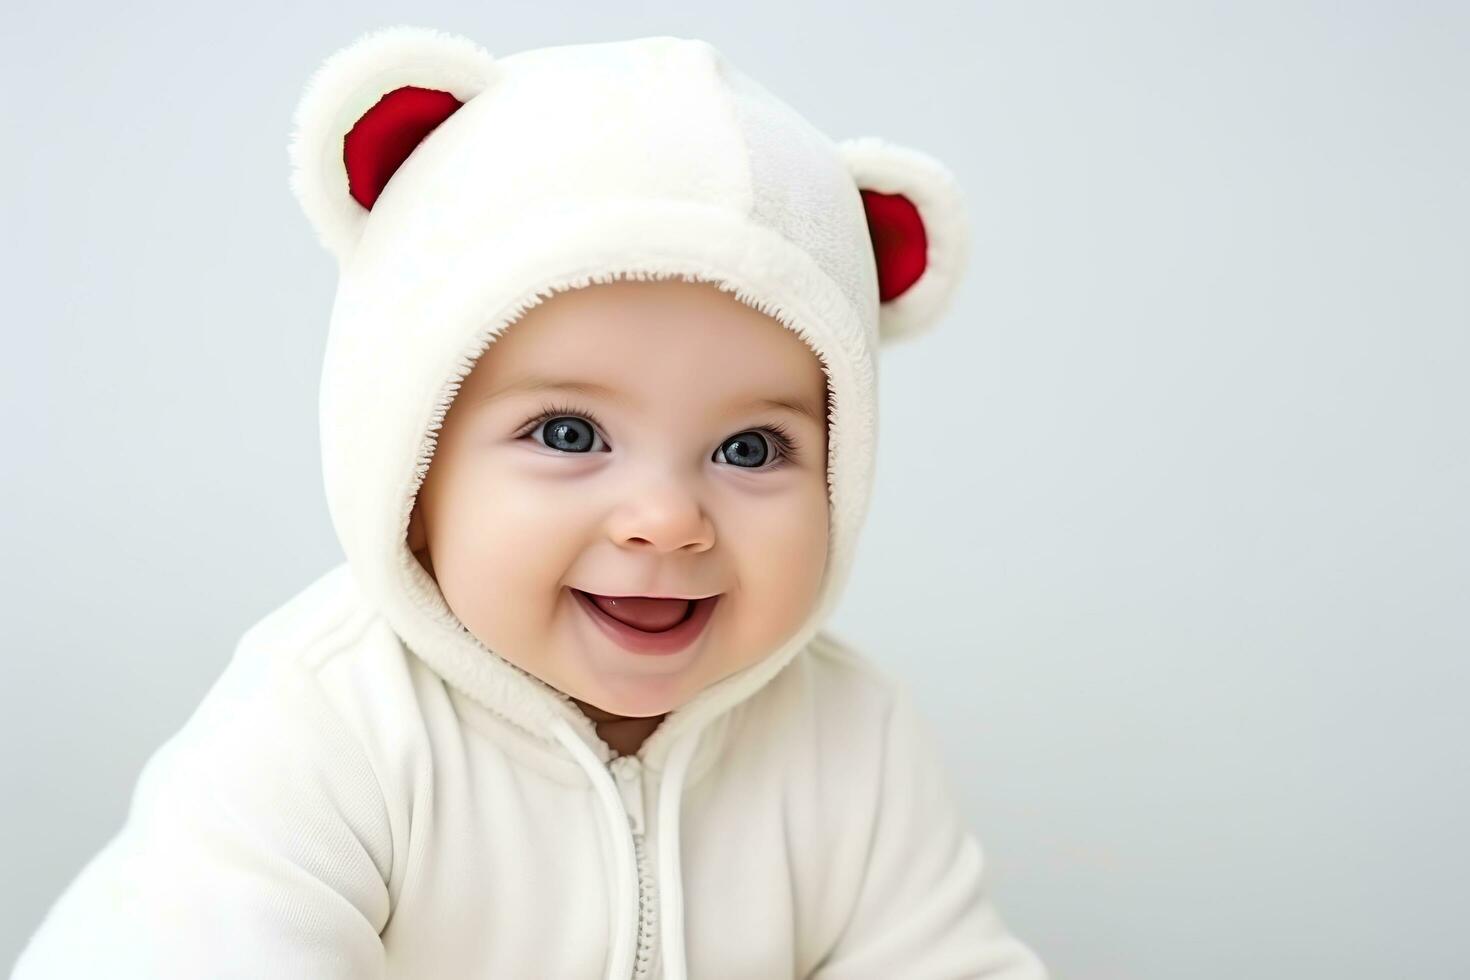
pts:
[634, 336]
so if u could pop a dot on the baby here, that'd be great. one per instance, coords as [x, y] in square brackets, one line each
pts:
[598, 424]
[685, 460]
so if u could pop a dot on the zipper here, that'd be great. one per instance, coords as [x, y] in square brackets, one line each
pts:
[628, 774]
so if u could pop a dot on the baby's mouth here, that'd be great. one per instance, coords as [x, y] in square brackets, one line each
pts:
[642, 612]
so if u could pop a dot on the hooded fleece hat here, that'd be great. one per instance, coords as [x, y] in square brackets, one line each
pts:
[457, 189]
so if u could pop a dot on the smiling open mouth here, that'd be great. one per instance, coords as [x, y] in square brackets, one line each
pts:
[646, 625]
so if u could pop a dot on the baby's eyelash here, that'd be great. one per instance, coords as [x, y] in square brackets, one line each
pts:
[549, 412]
[780, 435]
[784, 440]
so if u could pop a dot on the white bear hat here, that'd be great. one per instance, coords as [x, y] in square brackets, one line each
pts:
[458, 189]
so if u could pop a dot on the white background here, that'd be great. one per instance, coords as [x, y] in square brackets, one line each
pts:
[1170, 535]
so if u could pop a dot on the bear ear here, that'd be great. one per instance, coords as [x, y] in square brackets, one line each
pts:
[916, 220]
[365, 110]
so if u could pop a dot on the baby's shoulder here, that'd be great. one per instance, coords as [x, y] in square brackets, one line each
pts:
[325, 629]
[842, 657]
[822, 725]
[838, 683]
[320, 680]
[842, 665]
[329, 643]
[310, 627]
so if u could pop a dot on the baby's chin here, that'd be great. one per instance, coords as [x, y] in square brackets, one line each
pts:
[598, 712]
[638, 699]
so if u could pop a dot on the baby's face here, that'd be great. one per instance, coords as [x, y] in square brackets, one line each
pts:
[668, 479]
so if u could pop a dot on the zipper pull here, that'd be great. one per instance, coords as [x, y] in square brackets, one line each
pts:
[628, 773]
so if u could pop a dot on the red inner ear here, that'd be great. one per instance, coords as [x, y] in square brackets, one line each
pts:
[387, 133]
[899, 243]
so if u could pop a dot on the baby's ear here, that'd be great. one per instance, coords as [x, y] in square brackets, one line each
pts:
[365, 110]
[921, 241]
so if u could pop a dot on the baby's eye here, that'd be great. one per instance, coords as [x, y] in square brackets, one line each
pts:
[568, 433]
[749, 449]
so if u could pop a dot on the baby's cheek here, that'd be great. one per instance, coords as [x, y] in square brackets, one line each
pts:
[802, 524]
[792, 554]
[507, 540]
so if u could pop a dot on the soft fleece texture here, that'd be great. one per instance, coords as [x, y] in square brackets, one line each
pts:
[369, 791]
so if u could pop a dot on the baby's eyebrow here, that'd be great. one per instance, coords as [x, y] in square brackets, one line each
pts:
[595, 390]
[536, 383]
